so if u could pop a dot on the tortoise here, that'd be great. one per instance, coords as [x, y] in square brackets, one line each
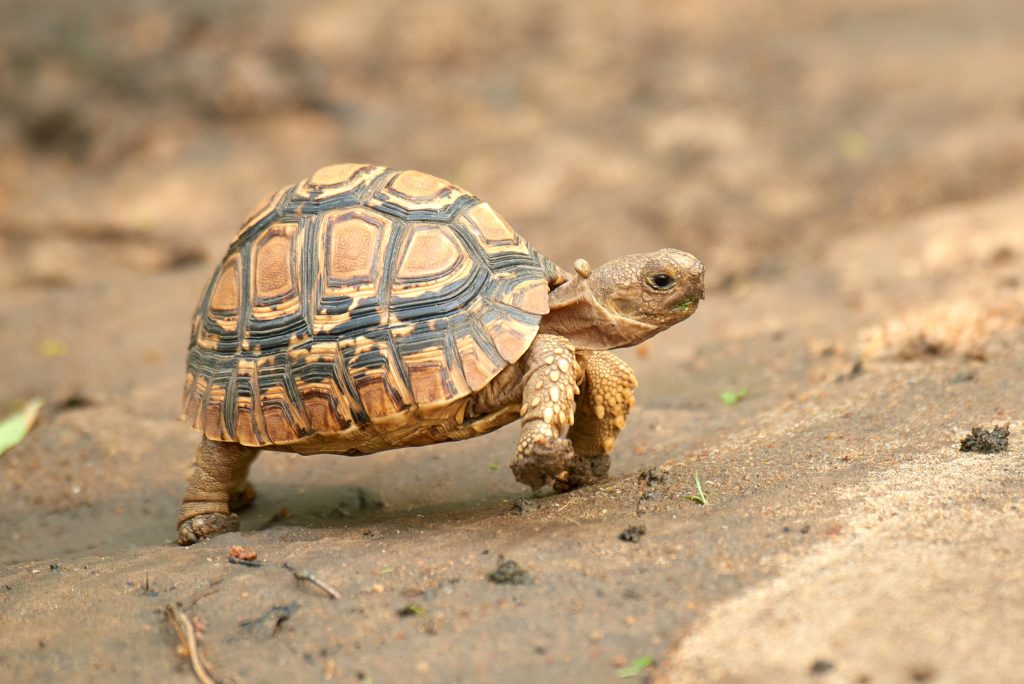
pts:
[367, 309]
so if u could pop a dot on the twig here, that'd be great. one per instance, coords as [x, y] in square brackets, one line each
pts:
[559, 511]
[210, 591]
[312, 579]
[187, 635]
[243, 561]
[206, 593]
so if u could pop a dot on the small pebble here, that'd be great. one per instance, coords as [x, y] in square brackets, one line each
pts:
[509, 572]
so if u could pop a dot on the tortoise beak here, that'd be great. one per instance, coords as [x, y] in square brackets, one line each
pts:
[691, 272]
[697, 279]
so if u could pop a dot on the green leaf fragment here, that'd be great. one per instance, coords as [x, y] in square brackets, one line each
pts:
[685, 306]
[14, 427]
[635, 668]
[733, 397]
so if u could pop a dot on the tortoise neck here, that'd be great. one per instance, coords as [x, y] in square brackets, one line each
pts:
[579, 316]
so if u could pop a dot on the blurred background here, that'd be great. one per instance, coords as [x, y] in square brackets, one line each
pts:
[136, 135]
[836, 164]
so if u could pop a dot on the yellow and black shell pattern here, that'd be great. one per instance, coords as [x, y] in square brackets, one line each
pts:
[360, 296]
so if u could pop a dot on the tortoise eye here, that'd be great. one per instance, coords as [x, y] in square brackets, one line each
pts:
[661, 281]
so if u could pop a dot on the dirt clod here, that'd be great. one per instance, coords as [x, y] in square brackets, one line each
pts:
[922, 674]
[411, 610]
[649, 481]
[821, 666]
[509, 572]
[241, 553]
[856, 370]
[74, 401]
[653, 476]
[523, 506]
[633, 533]
[985, 441]
[59, 131]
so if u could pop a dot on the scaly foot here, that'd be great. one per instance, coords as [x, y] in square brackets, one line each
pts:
[544, 461]
[206, 525]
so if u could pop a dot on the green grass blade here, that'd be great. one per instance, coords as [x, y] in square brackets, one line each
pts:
[635, 668]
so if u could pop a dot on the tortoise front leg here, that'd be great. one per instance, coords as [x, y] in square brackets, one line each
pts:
[601, 411]
[549, 383]
[217, 486]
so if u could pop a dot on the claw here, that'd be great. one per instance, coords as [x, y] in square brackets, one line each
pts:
[206, 525]
[543, 463]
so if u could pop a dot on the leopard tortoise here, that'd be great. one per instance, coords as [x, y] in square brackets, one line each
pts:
[367, 309]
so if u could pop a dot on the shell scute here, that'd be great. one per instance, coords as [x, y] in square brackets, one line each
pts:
[360, 296]
[355, 238]
[274, 265]
[265, 210]
[430, 254]
[337, 182]
[413, 195]
[226, 296]
[488, 226]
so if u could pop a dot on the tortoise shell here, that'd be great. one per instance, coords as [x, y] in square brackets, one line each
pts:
[360, 296]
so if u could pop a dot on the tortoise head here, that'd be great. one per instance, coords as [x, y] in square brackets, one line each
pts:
[626, 301]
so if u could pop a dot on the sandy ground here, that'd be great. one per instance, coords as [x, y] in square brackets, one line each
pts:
[852, 174]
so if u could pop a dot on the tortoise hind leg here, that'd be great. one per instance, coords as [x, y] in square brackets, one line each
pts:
[217, 486]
